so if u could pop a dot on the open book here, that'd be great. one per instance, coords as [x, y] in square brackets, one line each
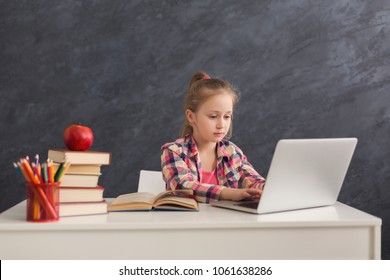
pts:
[167, 200]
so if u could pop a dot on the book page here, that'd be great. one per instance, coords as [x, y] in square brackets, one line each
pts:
[172, 202]
[182, 193]
[142, 197]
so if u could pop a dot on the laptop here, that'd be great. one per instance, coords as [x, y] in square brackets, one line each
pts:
[304, 173]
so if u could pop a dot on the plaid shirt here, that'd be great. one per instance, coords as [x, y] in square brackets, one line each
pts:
[181, 168]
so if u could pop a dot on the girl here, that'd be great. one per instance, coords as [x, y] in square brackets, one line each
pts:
[203, 159]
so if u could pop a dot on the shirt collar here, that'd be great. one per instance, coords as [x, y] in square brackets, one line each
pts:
[222, 150]
[192, 149]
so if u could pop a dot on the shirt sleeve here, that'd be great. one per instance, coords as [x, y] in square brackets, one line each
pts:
[249, 176]
[177, 175]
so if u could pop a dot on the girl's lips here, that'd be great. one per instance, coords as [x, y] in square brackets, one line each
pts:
[219, 133]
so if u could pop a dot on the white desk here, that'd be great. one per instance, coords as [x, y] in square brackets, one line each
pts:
[334, 232]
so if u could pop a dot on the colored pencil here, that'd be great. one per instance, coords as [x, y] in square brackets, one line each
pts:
[32, 175]
[29, 171]
[64, 170]
[21, 168]
[44, 172]
[59, 171]
[51, 172]
[37, 173]
[36, 159]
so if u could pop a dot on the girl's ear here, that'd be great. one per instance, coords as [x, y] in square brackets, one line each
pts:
[190, 116]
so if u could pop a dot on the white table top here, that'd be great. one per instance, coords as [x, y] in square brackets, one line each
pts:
[208, 217]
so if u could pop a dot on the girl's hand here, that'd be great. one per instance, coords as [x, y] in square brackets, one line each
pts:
[259, 186]
[240, 194]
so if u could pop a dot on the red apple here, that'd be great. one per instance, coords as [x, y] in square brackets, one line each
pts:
[78, 137]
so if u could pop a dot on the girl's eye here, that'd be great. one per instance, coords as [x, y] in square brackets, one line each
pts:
[228, 117]
[212, 117]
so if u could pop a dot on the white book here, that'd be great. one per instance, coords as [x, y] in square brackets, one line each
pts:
[84, 208]
[77, 194]
[80, 180]
[80, 157]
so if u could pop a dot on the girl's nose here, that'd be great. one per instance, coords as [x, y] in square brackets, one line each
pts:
[220, 123]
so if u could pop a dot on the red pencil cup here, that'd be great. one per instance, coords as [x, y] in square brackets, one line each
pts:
[43, 202]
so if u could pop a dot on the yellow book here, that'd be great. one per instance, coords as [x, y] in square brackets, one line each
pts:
[143, 201]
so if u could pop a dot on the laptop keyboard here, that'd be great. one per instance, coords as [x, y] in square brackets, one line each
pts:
[248, 204]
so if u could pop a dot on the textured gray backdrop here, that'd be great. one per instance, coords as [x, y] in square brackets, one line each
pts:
[304, 68]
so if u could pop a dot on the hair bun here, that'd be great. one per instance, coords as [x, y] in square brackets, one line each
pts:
[199, 76]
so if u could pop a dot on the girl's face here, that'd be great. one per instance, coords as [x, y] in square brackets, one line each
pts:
[213, 119]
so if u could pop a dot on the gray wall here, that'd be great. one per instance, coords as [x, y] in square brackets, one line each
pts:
[304, 69]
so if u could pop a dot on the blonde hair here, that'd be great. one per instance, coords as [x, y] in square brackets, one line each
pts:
[201, 88]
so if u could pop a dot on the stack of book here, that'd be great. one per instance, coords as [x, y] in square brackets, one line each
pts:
[80, 192]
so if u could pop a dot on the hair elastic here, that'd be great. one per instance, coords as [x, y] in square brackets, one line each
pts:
[206, 77]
